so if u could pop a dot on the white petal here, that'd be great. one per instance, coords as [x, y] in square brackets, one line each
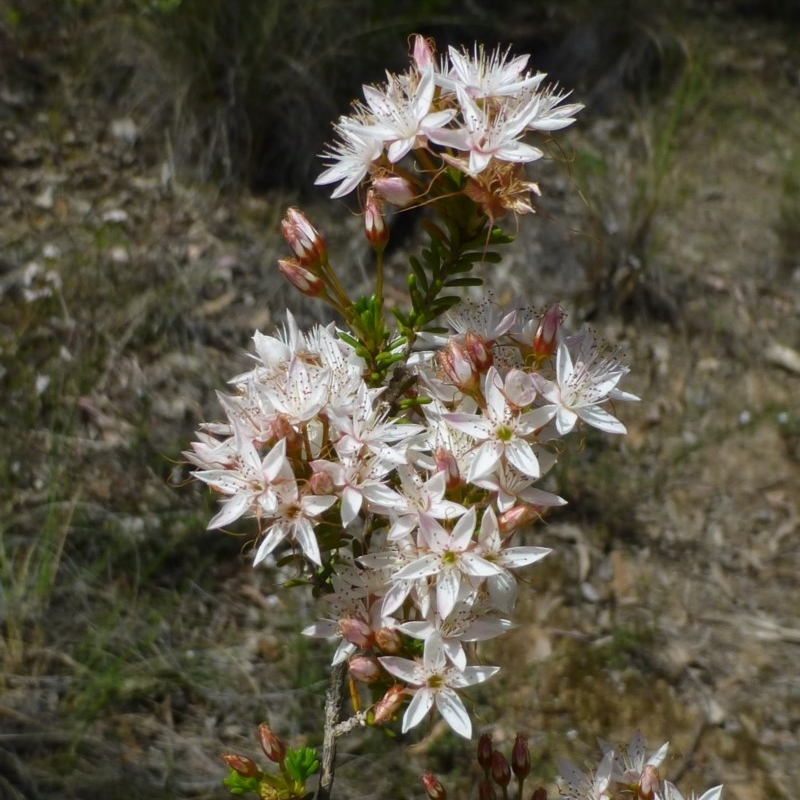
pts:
[230, 511]
[452, 710]
[403, 668]
[600, 418]
[447, 585]
[417, 709]
[520, 454]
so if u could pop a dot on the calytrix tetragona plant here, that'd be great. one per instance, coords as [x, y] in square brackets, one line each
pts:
[391, 457]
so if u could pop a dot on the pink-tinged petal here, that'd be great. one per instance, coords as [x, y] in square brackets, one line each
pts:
[520, 454]
[402, 668]
[447, 586]
[453, 712]
[400, 148]
[599, 418]
[417, 709]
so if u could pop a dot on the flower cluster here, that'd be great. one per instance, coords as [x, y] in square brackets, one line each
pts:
[393, 468]
[629, 774]
[633, 772]
[470, 111]
[414, 508]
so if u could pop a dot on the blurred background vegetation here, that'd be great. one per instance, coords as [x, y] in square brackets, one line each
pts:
[148, 148]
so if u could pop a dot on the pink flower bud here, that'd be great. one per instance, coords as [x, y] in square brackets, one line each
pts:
[649, 783]
[485, 750]
[389, 704]
[501, 772]
[515, 517]
[356, 631]
[433, 787]
[422, 53]
[274, 749]
[303, 238]
[446, 462]
[321, 483]
[459, 368]
[374, 223]
[480, 352]
[242, 765]
[365, 669]
[388, 641]
[520, 758]
[305, 281]
[394, 189]
[545, 340]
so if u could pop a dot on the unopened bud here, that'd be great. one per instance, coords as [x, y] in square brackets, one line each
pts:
[374, 223]
[485, 750]
[480, 352]
[365, 669]
[321, 483]
[274, 749]
[520, 758]
[388, 641]
[501, 772]
[242, 765]
[389, 704]
[515, 517]
[486, 790]
[356, 631]
[433, 787]
[305, 281]
[545, 339]
[540, 793]
[422, 53]
[394, 189]
[446, 462]
[303, 238]
[649, 783]
[459, 367]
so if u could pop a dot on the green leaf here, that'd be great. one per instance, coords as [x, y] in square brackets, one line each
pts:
[464, 282]
[238, 785]
[301, 763]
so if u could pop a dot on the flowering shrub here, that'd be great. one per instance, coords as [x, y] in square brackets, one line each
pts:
[392, 466]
